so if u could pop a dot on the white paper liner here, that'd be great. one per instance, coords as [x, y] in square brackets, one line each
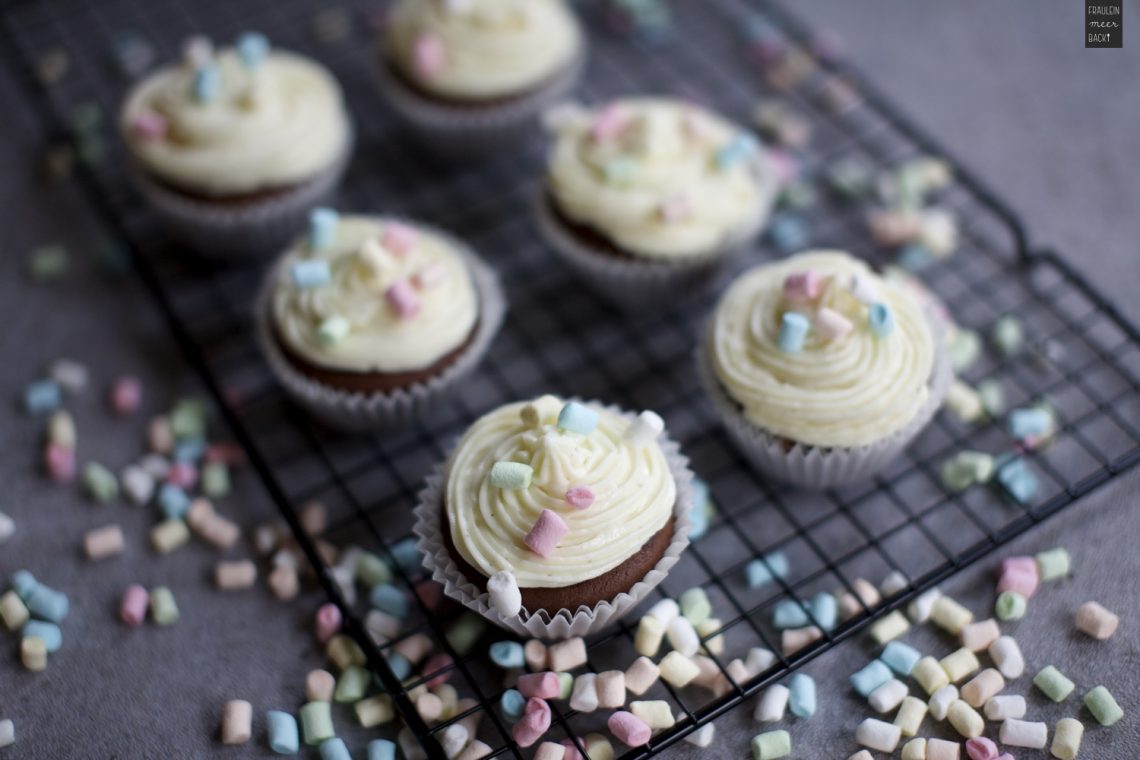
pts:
[562, 625]
[467, 131]
[240, 230]
[812, 467]
[366, 412]
[638, 283]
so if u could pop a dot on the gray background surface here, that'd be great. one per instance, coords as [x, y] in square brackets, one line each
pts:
[1007, 86]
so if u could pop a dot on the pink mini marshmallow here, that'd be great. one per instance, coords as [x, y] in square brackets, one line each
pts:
[803, 286]
[132, 608]
[609, 123]
[981, 748]
[226, 452]
[438, 668]
[126, 395]
[1022, 563]
[787, 168]
[429, 55]
[398, 238]
[533, 724]
[675, 208]
[182, 474]
[539, 685]
[570, 751]
[149, 125]
[327, 622]
[544, 536]
[403, 299]
[1019, 581]
[831, 324]
[429, 593]
[629, 729]
[430, 276]
[580, 497]
[59, 461]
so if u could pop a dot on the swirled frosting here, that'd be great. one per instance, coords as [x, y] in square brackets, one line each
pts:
[272, 126]
[362, 273]
[846, 391]
[481, 49]
[634, 489]
[660, 178]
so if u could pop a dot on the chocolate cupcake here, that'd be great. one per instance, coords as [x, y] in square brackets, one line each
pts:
[646, 196]
[820, 370]
[232, 148]
[370, 321]
[475, 74]
[580, 509]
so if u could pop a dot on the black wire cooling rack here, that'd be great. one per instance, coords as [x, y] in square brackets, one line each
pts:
[1084, 357]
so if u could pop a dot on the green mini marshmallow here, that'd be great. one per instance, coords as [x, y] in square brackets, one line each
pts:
[188, 419]
[1010, 605]
[695, 606]
[316, 722]
[1053, 684]
[992, 396]
[1053, 564]
[514, 476]
[465, 632]
[371, 570]
[215, 480]
[566, 684]
[163, 608]
[352, 684]
[771, 744]
[1103, 706]
[99, 482]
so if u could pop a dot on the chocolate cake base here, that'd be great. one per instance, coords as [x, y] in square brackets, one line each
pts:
[587, 235]
[587, 593]
[231, 201]
[373, 382]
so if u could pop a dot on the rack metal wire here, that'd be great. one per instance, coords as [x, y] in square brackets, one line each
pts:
[1085, 358]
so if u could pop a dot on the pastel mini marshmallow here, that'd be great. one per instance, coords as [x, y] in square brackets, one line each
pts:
[940, 701]
[978, 636]
[1005, 706]
[641, 675]
[429, 56]
[567, 655]
[803, 286]
[629, 729]
[584, 697]
[504, 593]
[831, 325]
[1023, 733]
[399, 238]
[545, 685]
[1006, 654]
[580, 497]
[610, 685]
[403, 298]
[645, 429]
[1094, 620]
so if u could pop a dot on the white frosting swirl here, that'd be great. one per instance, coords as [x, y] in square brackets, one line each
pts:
[378, 340]
[274, 126]
[634, 489]
[676, 200]
[845, 392]
[491, 48]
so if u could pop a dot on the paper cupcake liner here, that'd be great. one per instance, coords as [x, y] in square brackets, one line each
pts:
[242, 229]
[469, 131]
[541, 624]
[368, 412]
[812, 467]
[638, 283]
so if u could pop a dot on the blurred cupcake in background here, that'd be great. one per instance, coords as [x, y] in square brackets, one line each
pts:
[370, 322]
[644, 197]
[821, 371]
[233, 147]
[466, 74]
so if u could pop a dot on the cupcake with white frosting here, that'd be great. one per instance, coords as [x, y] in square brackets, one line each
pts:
[552, 517]
[473, 73]
[642, 195]
[233, 147]
[822, 371]
[369, 322]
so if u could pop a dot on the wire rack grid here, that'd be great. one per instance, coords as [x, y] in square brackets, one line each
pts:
[1084, 358]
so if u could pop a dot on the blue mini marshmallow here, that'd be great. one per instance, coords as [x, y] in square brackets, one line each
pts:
[507, 654]
[49, 632]
[406, 554]
[1017, 480]
[512, 704]
[173, 501]
[793, 331]
[322, 227]
[207, 83]
[789, 614]
[381, 749]
[23, 582]
[762, 571]
[314, 273]
[577, 418]
[47, 604]
[42, 396]
[900, 657]
[387, 598]
[788, 232]
[282, 729]
[825, 610]
[881, 320]
[739, 149]
[189, 450]
[334, 749]
[252, 48]
[871, 677]
[399, 666]
[1026, 423]
[801, 695]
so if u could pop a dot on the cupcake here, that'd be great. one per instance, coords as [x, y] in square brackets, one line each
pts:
[553, 518]
[820, 370]
[644, 196]
[232, 148]
[477, 73]
[369, 322]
